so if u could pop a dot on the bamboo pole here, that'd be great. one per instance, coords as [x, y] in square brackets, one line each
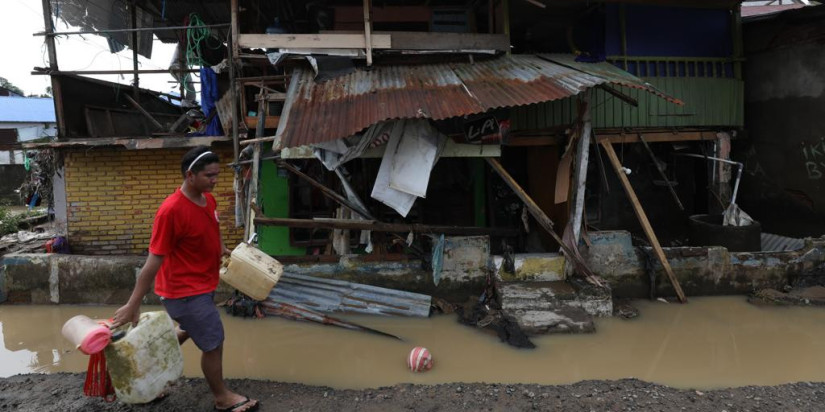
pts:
[640, 213]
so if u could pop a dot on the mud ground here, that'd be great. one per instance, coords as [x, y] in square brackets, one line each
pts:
[63, 392]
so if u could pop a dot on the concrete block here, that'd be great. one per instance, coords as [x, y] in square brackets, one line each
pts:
[560, 320]
[465, 258]
[545, 267]
[27, 278]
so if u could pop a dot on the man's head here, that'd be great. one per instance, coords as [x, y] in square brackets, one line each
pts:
[200, 169]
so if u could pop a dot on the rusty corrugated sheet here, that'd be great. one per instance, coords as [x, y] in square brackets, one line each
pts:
[343, 106]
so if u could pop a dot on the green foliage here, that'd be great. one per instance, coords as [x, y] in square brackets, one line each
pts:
[9, 222]
[7, 84]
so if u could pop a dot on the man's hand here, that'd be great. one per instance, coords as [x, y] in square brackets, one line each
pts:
[225, 251]
[127, 313]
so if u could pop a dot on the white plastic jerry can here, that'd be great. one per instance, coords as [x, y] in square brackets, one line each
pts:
[145, 359]
[252, 271]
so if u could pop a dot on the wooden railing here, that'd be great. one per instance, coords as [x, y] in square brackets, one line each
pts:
[653, 66]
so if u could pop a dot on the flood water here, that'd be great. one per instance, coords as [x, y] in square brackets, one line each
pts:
[708, 343]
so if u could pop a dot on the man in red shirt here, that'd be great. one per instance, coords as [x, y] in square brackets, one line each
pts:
[184, 262]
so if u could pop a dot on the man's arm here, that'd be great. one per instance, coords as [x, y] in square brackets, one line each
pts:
[130, 312]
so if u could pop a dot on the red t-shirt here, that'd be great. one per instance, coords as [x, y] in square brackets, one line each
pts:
[188, 236]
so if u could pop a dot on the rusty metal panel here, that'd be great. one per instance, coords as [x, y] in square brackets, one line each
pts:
[346, 105]
[332, 295]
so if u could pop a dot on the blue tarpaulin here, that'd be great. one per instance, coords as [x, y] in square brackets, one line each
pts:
[209, 97]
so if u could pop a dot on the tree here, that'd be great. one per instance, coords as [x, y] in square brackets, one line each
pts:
[9, 86]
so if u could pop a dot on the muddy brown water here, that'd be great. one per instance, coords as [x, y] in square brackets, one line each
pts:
[708, 343]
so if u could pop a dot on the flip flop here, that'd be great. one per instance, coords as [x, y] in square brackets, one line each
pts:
[240, 404]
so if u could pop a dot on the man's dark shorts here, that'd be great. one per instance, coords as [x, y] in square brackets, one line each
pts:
[199, 317]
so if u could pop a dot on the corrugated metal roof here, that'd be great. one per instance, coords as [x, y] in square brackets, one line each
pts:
[340, 107]
[26, 110]
[748, 11]
[777, 243]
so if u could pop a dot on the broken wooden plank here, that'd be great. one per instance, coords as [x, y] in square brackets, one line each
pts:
[327, 191]
[310, 41]
[640, 213]
[225, 113]
[408, 40]
[144, 112]
[271, 122]
[543, 221]
[386, 227]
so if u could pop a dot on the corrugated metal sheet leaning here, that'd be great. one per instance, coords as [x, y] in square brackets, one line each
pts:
[331, 295]
[343, 106]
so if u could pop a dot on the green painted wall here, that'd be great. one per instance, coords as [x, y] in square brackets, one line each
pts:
[709, 102]
[274, 196]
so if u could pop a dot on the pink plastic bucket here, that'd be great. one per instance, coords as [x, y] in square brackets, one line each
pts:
[87, 334]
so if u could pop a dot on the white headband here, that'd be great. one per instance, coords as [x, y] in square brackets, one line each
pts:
[197, 158]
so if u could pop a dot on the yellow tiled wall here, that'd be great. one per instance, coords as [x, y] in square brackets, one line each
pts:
[112, 196]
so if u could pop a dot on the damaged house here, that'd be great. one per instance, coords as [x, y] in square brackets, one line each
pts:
[546, 154]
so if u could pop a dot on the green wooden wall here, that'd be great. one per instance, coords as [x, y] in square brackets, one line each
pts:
[709, 102]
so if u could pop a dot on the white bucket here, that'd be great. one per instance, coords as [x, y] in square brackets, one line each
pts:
[146, 359]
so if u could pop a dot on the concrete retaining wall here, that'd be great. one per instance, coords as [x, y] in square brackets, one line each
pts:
[43, 279]
[700, 270]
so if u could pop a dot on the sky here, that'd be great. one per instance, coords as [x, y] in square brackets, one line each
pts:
[21, 52]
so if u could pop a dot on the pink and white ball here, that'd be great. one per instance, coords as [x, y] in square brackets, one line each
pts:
[420, 359]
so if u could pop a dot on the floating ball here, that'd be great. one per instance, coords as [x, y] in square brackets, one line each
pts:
[420, 359]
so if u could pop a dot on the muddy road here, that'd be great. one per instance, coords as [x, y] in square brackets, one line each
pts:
[63, 392]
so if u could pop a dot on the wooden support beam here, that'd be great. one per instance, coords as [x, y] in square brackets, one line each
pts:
[404, 40]
[543, 220]
[143, 112]
[582, 159]
[311, 41]
[233, 21]
[657, 137]
[386, 227]
[135, 76]
[327, 191]
[57, 91]
[662, 173]
[640, 213]
[368, 31]
[621, 96]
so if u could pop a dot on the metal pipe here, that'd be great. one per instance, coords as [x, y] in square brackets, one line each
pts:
[206, 26]
[731, 162]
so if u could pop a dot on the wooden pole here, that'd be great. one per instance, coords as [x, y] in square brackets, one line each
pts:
[640, 213]
[368, 31]
[144, 112]
[328, 192]
[249, 227]
[661, 173]
[57, 91]
[385, 227]
[582, 159]
[233, 5]
[136, 78]
[542, 219]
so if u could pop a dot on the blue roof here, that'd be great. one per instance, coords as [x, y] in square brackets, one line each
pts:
[26, 109]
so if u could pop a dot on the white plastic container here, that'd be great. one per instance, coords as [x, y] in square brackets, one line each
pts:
[88, 335]
[252, 271]
[146, 359]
